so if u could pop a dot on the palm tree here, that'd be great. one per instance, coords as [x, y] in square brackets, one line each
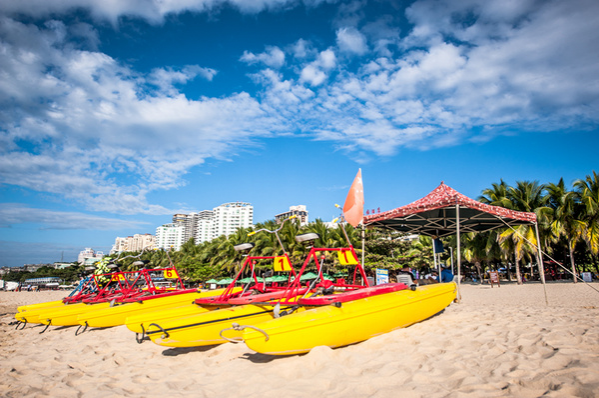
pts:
[266, 244]
[421, 253]
[528, 197]
[566, 222]
[295, 250]
[498, 196]
[223, 254]
[476, 246]
[327, 237]
[588, 193]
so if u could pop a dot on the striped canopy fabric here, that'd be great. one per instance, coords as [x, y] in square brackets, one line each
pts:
[436, 215]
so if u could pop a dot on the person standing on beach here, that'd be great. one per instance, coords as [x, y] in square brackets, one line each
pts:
[446, 274]
[407, 271]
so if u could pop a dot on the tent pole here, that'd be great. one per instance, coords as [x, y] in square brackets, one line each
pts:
[459, 254]
[540, 261]
[435, 262]
[363, 243]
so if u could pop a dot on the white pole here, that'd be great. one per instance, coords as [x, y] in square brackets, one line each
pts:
[435, 261]
[540, 260]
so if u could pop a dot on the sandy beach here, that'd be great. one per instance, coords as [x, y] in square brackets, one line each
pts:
[496, 342]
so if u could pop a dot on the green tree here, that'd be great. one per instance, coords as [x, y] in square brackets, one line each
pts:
[475, 249]
[588, 193]
[565, 221]
[528, 197]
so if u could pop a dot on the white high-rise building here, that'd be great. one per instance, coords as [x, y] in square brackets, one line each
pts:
[228, 217]
[89, 253]
[299, 211]
[206, 225]
[205, 221]
[170, 236]
[188, 221]
[135, 243]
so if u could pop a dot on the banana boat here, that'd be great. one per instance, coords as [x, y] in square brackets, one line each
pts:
[342, 323]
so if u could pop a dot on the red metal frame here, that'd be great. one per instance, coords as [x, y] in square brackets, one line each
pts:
[295, 289]
[122, 288]
[260, 287]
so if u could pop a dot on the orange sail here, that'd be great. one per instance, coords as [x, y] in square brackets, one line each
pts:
[353, 209]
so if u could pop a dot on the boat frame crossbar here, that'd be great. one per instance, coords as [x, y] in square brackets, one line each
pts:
[129, 285]
[254, 284]
[318, 256]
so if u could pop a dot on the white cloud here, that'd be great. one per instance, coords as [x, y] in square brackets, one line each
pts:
[72, 121]
[153, 11]
[350, 40]
[312, 75]
[315, 72]
[465, 67]
[327, 59]
[87, 34]
[274, 57]
[75, 121]
[165, 78]
[384, 34]
[301, 49]
[14, 213]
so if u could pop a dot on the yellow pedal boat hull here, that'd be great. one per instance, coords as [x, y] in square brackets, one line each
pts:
[67, 316]
[118, 314]
[30, 307]
[352, 322]
[35, 314]
[139, 323]
[205, 329]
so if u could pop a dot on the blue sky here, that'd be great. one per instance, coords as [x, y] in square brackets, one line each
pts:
[116, 115]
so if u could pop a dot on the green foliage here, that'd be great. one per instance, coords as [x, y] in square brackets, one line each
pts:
[568, 222]
[565, 217]
[69, 274]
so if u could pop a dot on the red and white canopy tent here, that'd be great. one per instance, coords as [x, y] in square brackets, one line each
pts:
[445, 212]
